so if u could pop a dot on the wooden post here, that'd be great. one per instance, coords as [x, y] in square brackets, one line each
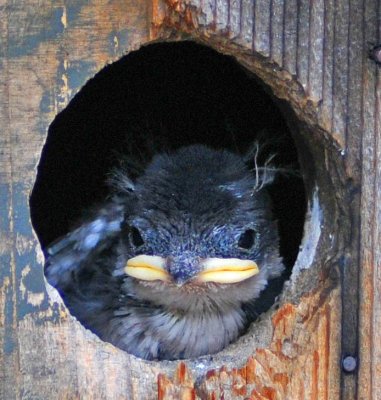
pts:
[312, 55]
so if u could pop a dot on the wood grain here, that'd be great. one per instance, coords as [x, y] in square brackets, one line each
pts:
[370, 262]
[313, 55]
[298, 364]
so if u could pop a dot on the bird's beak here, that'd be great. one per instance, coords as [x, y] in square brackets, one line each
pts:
[218, 270]
[227, 270]
[147, 268]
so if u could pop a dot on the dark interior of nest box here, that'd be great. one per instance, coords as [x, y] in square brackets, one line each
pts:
[159, 98]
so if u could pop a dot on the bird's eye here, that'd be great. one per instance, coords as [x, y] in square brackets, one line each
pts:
[136, 237]
[247, 239]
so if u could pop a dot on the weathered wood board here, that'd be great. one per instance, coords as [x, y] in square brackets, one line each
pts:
[312, 54]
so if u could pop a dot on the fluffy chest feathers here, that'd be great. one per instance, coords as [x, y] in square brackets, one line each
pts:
[172, 334]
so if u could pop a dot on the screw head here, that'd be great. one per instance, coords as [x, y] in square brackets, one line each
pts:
[349, 364]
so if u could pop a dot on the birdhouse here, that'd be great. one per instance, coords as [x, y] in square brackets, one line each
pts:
[83, 82]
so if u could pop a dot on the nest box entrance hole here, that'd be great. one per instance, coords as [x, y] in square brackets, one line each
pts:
[160, 98]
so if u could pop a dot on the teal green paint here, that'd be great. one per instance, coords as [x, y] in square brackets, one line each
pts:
[73, 10]
[46, 102]
[79, 72]
[9, 342]
[5, 258]
[50, 29]
[9, 332]
[5, 271]
[20, 204]
[33, 281]
[122, 42]
[4, 208]
[55, 315]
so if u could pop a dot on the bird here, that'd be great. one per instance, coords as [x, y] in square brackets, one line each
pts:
[167, 267]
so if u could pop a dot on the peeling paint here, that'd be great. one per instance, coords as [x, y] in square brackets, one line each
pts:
[4, 207]
[34, 299]
[41, 28]
[46, 102]
[9, 320]
[78, 73]
[63, 95]
[39, 255]
[64, 17]
[23, 243]
[55, 313]
[73, 11]
[71, 76]
[44, 28]
[5, 261]
[5, 244]
[119, 41]
[21, 217]
[116, 43]
[24, 273]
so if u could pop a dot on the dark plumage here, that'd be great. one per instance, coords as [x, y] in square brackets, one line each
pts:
[185, 213]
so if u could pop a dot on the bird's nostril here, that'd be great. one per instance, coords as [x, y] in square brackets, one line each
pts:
[182, 268]
[179, 278]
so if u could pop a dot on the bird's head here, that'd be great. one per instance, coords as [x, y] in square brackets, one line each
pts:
[198, 232]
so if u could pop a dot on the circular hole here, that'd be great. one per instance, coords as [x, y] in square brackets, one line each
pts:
[159, 99]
